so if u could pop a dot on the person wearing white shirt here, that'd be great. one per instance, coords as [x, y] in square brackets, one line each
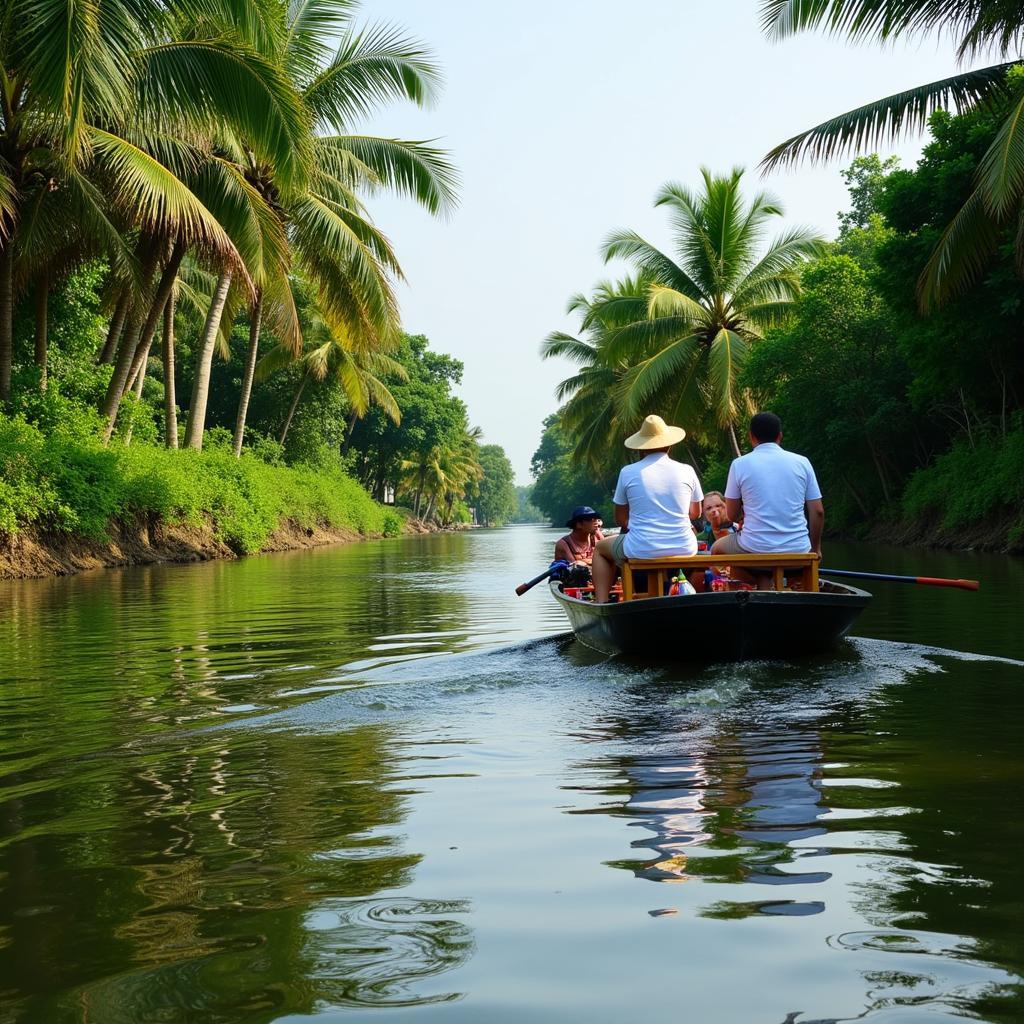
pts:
[655, 499]
[776, 495]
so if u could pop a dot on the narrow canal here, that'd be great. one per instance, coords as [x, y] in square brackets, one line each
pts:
[369, 783]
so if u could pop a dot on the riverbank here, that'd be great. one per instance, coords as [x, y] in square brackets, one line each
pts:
[35, 553]
[67, 503]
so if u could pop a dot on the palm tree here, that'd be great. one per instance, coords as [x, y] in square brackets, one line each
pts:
[356, 369]
[687, 340]
[90, 95]
[972, 236]
[590, 414]
[335, 245]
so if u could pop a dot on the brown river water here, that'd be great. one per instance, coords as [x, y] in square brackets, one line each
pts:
[368, 783]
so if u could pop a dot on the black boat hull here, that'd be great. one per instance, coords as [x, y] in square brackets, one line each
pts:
[729, 626]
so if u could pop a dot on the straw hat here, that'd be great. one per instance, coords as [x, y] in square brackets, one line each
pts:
[654, 432]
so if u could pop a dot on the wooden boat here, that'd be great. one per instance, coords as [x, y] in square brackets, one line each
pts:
[801, 616]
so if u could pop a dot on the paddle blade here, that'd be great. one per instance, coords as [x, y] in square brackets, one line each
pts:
[962, 584]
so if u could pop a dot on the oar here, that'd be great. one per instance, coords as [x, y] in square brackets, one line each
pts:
[553, 567]
[930, 581]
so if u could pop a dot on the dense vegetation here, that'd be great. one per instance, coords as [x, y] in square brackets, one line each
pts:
[185, 178]
[913, 421]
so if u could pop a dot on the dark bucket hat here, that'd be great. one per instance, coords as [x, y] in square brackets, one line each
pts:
[581, 512]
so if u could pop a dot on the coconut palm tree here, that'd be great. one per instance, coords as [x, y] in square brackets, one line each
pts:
[357, 369]
[973, 235]
[335, 244]
[76, 82]
[590, 414]
[687, 340]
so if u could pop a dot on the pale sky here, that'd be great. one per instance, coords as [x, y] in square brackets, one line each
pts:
[564, 118]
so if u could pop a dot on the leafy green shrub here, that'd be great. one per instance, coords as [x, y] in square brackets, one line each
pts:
[966, 485]
[68, 481]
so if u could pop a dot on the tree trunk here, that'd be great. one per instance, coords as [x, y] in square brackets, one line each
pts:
[201, 385]
[349, 429]
[167, 353]
[294, 406]
[156, 309]
[250, 371]
[137, 384]
[116, 324]
[6, 321]
[126, 351]
[735, 443]
[42, 296]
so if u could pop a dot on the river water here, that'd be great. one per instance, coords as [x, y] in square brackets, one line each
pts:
[369, 783]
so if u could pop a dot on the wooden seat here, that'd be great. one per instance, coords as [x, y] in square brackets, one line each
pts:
[648, 577]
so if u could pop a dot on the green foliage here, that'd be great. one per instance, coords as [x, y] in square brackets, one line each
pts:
[72, 483]
[967, 489]
[496, 502]
[526, 511]
[561, 483]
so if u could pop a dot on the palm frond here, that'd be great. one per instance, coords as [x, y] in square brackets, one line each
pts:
[1001, 171]
[644, 379]
[892, 118]
[210, 81]
[648, 260]
[727, 356]
[414, 169]
[961, 254]
[373, 66]
[560, 344]
[667, 302]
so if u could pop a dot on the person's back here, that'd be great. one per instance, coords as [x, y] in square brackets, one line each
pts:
[776, 493]
[659, 492]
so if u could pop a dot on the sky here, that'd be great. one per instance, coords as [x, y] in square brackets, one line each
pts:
[564, 118]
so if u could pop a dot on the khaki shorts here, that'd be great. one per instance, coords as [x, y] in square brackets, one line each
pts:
[617, 552]
[729, 545]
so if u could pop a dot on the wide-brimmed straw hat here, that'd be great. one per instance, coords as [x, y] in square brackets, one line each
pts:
[654, 432]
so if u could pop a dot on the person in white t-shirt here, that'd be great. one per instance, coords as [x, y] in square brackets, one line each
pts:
[776, 495]
[655, 499]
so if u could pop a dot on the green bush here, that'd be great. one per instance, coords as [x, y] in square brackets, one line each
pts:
[68, 481]
[966, 485]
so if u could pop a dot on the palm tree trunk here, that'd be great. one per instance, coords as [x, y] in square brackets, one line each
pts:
[6, 321]
[167, 352]
[136, 387]
[42, 295]
[732, 437]
[250, 372]
[116, 324]
[349, 429]
[126, 351]
[294, 406]
[201, 385]
[156, 309]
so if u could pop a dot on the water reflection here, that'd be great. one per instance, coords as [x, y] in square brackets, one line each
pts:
[337, 783]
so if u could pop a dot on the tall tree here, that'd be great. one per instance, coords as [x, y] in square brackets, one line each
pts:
[687, 340]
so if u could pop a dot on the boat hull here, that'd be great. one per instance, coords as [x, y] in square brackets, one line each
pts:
[727, 626]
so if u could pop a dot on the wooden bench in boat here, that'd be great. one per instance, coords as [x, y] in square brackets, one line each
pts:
[649, 577]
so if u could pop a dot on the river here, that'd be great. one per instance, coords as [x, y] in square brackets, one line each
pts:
[369, 783]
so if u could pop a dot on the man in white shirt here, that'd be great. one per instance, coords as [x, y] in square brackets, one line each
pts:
[655, 499]
[776, 495]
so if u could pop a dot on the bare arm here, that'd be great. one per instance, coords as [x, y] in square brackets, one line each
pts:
[815, 522]
[734, 509]
[562, 551]
[695, 510]
[622, 516]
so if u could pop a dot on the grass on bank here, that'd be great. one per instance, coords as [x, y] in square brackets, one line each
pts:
[67, 481]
